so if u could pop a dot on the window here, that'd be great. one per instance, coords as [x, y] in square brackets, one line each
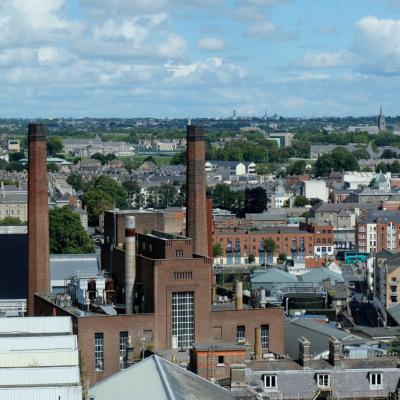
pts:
[323, 381]
[182, 319]
[265, 337]
[220, 360]
[270, 381]
[99, 351]
[375, 380]
[123, 339]
[241, 332]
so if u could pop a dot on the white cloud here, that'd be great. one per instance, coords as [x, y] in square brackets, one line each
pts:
[377, 42]
[336, 59]
[210, 71]
[211, 44]
[262, 29]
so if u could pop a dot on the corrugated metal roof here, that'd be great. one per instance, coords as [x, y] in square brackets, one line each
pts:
[38, 343]
[62, 266]
[41, 393]
[39, 376]
[36, 326]
[25, 359]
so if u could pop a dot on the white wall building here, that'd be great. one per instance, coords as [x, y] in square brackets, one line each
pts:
[315, 189]
[39, 359]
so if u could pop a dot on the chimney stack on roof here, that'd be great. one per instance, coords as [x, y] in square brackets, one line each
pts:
[38, 218]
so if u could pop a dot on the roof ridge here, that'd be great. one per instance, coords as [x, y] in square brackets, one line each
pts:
[168, 391]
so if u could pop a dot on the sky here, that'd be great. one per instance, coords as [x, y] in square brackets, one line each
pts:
[199, 58]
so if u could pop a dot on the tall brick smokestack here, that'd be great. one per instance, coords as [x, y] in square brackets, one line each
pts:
[196, 208]
[38, 220]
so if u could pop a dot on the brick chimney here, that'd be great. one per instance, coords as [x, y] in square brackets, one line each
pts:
[335, 351]
[196, 208]
[304, 352]
[38, 218]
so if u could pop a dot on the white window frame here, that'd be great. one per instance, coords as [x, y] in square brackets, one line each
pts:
[270, 382]
[99, 351]
[321, 378]
[373, 380]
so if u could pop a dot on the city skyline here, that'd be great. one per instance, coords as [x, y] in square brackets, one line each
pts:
[165, 58]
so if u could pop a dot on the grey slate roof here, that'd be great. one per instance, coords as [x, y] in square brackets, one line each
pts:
[317, 275]
[156, 378]
[317, 333]
[273, 275]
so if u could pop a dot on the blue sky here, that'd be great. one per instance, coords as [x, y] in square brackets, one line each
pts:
[198, 58]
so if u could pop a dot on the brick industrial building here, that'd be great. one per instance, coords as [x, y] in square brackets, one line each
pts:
[174, 302]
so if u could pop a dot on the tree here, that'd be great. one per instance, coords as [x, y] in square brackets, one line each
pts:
[132, 188]
[16, 156]
[76, 181]
[395, 344]
[296, 168]
[52, 167]
[339, 159]
[270, 247]
[217, 250]
[112, 187]
[179, 158]
[96, 201]
[282, 258]
[15, 166]
[100, 157]
[3, 164]
[255, 200]
[110, 157]
[251, 258]
[361, 154]
[224, 197]
[300, 201]
[388, 154]
[67, 235]
[11, 221]
[54, 145]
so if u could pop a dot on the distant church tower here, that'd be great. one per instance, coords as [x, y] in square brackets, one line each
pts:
[381, 121]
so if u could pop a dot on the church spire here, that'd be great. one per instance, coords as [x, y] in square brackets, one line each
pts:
[381, 120]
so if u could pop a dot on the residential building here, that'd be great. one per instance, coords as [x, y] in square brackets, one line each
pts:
[377, 231]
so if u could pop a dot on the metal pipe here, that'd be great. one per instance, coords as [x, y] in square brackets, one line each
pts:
[258, 344]
[130, 262]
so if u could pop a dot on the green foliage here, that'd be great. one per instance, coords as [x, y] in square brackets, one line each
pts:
[394, 167]
[67, 235]
[388, 154]
[76, 181]
[112, 188]
[179, 158]
[300, 201]
[11, 221]
[270, 246]
[217, 250]
[164, 196]
[52, 167]
[54, 145]
[361, 154]
[98, 156]
[339, 159]
[16, 156]
[251, 258]
[296, 168]
[227, 199]
[255, 200]
[15, 166]
[110, 157]
[96, 201]
[395, 344]
[3, 164]
[282, 258]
